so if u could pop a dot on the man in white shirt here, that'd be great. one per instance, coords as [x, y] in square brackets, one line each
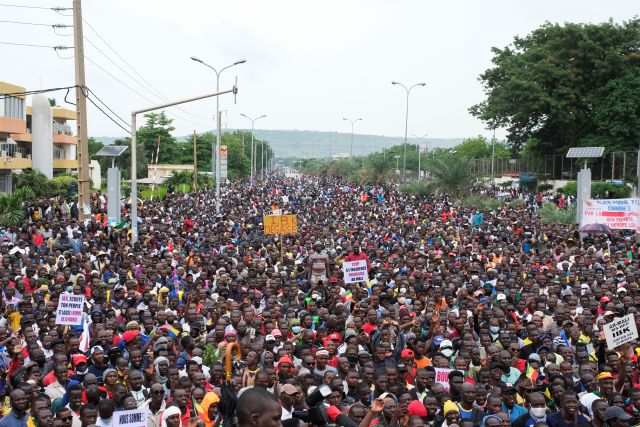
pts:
[287, 399]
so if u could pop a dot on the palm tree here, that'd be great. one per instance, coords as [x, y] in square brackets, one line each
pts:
[179, 178]
[450, 173]
[11, 210]
[377, 171]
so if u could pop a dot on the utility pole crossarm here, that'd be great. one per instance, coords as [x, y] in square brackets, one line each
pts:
[234, 90]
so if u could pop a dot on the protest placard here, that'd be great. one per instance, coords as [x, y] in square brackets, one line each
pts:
[70, 309]
[131, 418]
[280, 224]
[442, 377]
[617, 214]
[355, 271]
[620, 331]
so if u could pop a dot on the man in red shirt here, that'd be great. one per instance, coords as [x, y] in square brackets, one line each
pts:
[354, 254]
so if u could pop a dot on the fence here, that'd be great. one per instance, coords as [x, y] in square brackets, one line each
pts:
[616, 166]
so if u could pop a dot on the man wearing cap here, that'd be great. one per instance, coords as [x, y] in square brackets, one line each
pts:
[615, 416]
[288, 395]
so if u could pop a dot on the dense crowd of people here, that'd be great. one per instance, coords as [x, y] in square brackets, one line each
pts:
[465, 318]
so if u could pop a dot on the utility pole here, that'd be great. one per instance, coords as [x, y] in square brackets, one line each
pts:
[84, 206]
[195, 164]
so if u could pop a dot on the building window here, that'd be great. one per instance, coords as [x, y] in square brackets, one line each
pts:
[14, 107]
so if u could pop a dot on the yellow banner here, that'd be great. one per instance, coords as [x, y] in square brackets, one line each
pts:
[280, 224]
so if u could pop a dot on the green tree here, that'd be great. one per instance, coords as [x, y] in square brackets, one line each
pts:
[158, 125]
[377, 170]
[34, 180]
[449, 172]
[480, 147]
[94, 146]
[11, 210]
[549, 86]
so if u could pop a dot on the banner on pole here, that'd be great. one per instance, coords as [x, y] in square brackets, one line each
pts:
[70, 308]
[617, 214]
[280, 224]
[354, 271]
[620, 331]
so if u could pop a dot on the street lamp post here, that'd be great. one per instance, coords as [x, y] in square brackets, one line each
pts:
[397, 165]
[253, 148]
[406, 126]
[419, 151]
[352, 123]
[215, 154]
[134, 153]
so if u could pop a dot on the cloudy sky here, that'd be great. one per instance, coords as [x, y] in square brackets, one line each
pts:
[309, 63]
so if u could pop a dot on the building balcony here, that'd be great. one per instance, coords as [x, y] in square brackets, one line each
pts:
[65, 139]
[65, 164]
[11, 125]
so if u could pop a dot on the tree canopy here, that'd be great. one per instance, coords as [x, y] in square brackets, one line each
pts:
[566, 85]
[479, 147]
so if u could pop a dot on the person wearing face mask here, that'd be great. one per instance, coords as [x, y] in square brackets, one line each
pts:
[536, 411]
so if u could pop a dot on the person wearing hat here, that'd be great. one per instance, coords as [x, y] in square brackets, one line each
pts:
[288, 395]
[615, 416]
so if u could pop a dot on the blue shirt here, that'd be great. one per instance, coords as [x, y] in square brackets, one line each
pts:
[12, 420]
[516, 412]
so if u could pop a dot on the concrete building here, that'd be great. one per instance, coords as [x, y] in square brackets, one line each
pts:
[39, 137]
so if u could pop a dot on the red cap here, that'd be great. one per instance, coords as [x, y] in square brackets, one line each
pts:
[130, 335]
[416, 409]
[335, 337]
[78, 359]
[605, 299]
[407, 353]
[333, 280]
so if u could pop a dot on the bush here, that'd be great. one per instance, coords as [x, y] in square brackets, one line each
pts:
[545, 187]
[599, 190]
[551, 214]
[482, 203]
[506, 184]
[421, 189]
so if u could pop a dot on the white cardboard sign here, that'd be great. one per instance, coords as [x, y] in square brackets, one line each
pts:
[355, 271]
[70, 308]
[620, 331]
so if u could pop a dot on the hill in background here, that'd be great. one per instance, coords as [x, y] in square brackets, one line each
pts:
[315, 144]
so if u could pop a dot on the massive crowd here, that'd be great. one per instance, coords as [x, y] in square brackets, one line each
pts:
[466, 318]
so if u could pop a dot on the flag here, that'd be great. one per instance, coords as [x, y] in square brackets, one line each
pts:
[173, 332]
[198, 409]
[532, 374]
[85, 337]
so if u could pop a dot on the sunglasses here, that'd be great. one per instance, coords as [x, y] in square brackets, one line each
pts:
[67, 419]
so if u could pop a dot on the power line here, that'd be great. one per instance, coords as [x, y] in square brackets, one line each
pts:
[37, 45]
[109, 117]
[25, 6]
[34, 92]
[134, 90]
[107, 107]
[153, 90]
[35, 24]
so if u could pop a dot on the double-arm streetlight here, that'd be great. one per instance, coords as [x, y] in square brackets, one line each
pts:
[419, 151]
[353, 122]
[253, 148]
[406, 125]
[215, 153]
